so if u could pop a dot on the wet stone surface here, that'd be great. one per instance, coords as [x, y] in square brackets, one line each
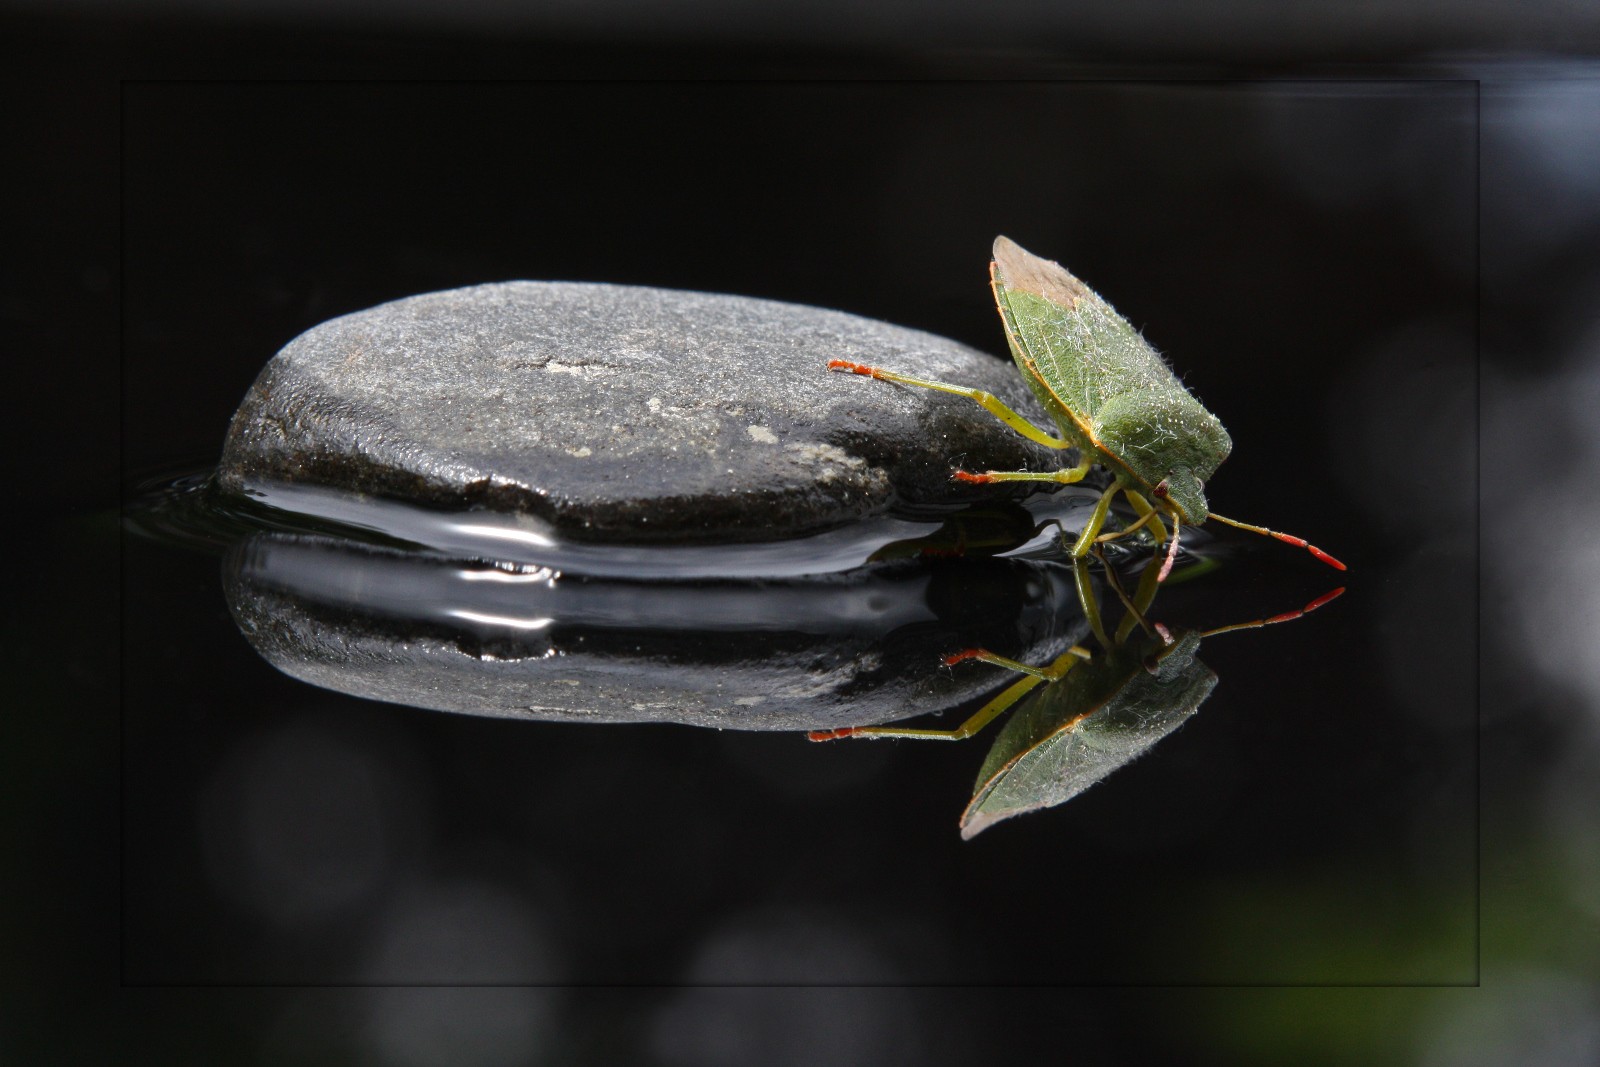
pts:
[626, 414]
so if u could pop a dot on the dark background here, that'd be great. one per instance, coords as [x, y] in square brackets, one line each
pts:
[1309, 253]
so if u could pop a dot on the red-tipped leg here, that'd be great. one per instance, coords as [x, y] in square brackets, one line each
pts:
[833, 735]
[971, 478]
[965, 654]
[1299, 542]
[853, 368]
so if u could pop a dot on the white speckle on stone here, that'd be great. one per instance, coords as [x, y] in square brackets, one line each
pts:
[582, 370]
[762, 434]
[749, 702]
[811, 689]
[830, 461]
[581, 453]
[654, 404]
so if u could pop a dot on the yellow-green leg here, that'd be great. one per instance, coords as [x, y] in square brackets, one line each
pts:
[1064, 476]
[1090, 606]
[1139, 606]
[988, 401]
[1133, 527]
[1080, 571]
[994, 406]
[1034, 677]
[1147, 512]
[1097, 520]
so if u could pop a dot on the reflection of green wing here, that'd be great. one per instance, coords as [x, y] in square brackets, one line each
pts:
[1074, 732]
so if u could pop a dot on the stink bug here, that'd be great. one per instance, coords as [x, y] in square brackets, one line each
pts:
[1111, 396]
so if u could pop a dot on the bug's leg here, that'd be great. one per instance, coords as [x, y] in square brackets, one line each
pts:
[1097, 520]
[988, 401]
[1064, 476]
[1044, 674]
[1034, 677]
[1080, 571]
[1142, 521]
[1143, 507]
[1143, 597]
[1172, 552]
[1115, 583]
[1285, 617]
[1090, 606]
[1287, 538]
[1134, 612]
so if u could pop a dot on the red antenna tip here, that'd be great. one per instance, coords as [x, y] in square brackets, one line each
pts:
[1299, 542]
[1324, 557]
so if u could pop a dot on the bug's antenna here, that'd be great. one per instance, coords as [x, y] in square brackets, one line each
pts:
[1288, 538]
[1285, 617]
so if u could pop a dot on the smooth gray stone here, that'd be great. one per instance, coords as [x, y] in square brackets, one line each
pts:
[627, 414]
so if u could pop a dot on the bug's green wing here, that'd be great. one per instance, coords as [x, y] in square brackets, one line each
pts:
[1072, 733]
[1079, 355]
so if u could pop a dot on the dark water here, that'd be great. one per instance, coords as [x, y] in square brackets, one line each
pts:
[450, 848]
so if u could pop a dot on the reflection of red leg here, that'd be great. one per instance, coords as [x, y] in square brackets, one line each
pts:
[1309, 608]
[1285, 617]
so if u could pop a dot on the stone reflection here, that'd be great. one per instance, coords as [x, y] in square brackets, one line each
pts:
[519, 640]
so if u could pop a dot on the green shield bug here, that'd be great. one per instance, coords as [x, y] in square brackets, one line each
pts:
[1111, 396]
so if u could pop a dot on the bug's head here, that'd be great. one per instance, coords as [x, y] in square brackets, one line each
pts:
[1166, 652]
[1165, 438]
[1181, 490]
